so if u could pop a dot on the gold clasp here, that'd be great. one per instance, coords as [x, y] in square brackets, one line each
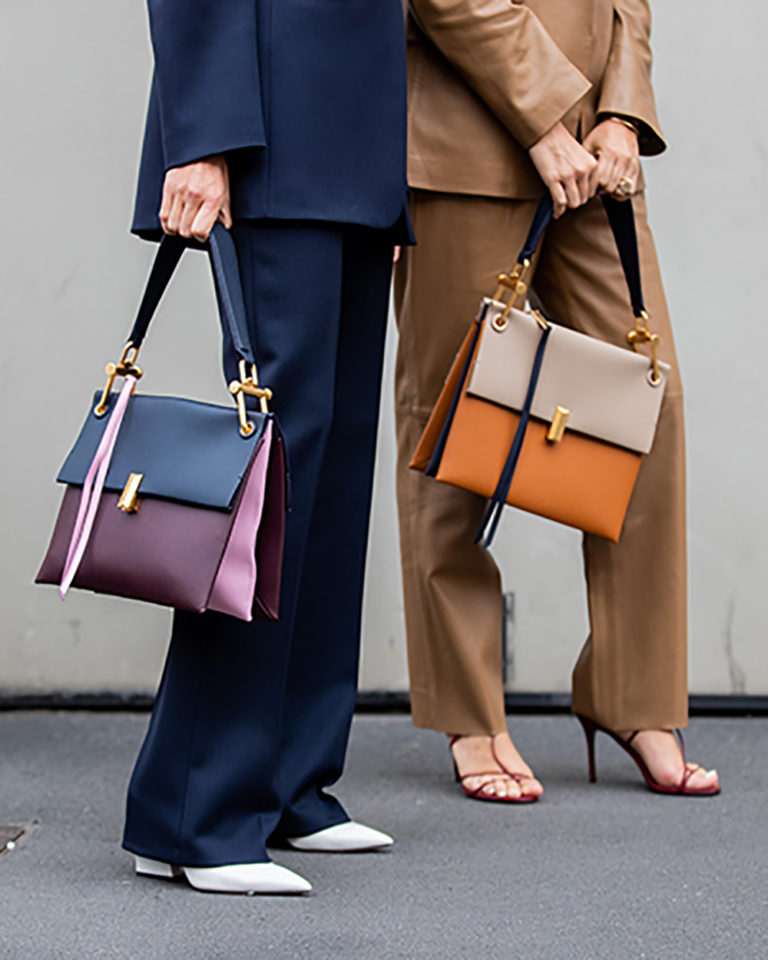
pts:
[129, 501]
[514, 282]
[248, 386]
[125, 366]
[641, 334]
[557, 427]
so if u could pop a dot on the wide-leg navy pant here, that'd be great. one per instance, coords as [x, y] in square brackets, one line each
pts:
[251, 721]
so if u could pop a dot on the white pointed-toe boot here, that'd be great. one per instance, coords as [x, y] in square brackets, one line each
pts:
[265, 878]
[349, 837]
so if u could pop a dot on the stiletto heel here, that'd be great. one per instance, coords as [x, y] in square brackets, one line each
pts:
[590, 729]
[681, 790]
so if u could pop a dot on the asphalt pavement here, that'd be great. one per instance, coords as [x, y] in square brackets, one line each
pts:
[591, 872]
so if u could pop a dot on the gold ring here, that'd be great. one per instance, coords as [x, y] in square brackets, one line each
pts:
[626, 186]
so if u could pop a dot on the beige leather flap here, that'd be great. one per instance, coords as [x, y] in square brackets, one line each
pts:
[606, 389]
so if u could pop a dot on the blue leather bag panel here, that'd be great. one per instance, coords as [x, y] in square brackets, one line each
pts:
[186, 450]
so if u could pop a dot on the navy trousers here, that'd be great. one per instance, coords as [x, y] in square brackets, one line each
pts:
[251, 721]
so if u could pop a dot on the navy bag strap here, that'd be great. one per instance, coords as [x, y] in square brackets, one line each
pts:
[621, 217]
[226, 274]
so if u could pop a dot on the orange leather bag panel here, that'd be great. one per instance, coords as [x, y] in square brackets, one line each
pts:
[582, 482]
[428, 442]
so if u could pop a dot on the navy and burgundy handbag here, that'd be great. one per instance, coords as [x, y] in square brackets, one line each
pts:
[175, 501]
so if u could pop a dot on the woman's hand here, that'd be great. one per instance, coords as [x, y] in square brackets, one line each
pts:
[618, 158]
[195, 197]
[566, 168]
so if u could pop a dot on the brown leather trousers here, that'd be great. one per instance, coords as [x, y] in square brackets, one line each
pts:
[631, 673]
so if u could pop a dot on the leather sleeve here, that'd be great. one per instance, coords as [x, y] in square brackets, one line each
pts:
[207, 76]
[626, 88]
[504, 53]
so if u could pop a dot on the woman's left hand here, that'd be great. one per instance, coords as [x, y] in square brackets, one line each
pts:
[618, 158]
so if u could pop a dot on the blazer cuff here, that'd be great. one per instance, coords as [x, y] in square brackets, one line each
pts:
[626, 88]
[179, 151]
[530, 125]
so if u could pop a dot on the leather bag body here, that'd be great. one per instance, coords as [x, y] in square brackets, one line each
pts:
[205, 525]
[494, 429]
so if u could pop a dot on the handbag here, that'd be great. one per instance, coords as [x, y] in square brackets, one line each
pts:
[175, 501]
[542, 417]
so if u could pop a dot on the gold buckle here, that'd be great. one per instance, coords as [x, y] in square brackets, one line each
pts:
[129, 501]
[557, 427]
[125, 366]
[248, 386]
[641, 334]
[514, 282]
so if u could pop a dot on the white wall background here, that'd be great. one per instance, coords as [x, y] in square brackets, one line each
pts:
[74, 78]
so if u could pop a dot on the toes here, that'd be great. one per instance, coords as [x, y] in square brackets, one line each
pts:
[532, 788]
[701, 777]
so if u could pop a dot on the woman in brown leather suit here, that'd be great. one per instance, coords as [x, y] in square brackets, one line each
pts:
[507, 100]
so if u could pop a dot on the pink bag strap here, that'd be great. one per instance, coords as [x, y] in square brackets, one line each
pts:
[92, 488]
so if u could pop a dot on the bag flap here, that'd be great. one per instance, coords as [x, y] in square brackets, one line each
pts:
[606, 388]
[186, 450]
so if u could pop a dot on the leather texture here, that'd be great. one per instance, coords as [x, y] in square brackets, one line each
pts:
[187, 450]
[235, 582]
[581, 481]
[632, 671]
[169, 553]
[488, 78]
[606, 388]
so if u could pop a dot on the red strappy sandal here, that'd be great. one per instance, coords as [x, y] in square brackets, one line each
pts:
[480, 793]
[681, 790]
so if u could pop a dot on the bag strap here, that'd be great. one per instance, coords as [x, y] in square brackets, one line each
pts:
[226, 274]
[621, 218]
[234, 321]
[496, 504]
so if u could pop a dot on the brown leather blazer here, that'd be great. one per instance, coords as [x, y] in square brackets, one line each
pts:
[487, 78]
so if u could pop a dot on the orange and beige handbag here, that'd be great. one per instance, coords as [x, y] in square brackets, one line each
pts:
[542, 417]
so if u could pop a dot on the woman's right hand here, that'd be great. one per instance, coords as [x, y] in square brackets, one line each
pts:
[195, 196]
[567, 169]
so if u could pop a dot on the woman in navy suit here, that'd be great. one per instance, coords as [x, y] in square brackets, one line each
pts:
[285, 121]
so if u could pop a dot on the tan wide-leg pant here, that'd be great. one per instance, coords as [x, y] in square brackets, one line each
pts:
[632, 671]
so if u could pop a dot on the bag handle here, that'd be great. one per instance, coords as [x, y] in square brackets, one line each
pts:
[221, 250]
[621, 218]
[229, 294]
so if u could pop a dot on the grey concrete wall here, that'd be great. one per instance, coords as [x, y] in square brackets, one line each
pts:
[74, 81]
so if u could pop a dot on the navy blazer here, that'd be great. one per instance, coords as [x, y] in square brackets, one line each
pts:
[306, 98]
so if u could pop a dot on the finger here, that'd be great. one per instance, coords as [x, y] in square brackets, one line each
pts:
[225, 215]
[174, 216]
[559, 199]
[572, 193]
[190, 210]
[396, 254]
[585, 181]
[595, 177]
[166, 203]
[612, 177]
[601, 171]
[207, 214]
[634, 171]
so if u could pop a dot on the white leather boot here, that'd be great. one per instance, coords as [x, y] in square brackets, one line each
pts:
[349, 837]
[231, 878]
